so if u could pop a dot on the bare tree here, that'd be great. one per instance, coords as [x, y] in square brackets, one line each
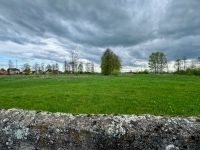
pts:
[57, 66]
[49, 68]
[193, 64]
[42, 67]
[167, 65]
[198, 61]
[177, 64]
[74, 61]
[53, 67]
[80, 67]
[87, 67]
[92, 67]
[66, 66]
[10, 65]
[26, 68]
[184, 62]
[36, 67]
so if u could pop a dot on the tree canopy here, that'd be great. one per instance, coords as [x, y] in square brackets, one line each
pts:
[109, 62]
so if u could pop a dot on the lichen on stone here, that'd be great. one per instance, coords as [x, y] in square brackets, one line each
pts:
[21, 133]
[21, 129]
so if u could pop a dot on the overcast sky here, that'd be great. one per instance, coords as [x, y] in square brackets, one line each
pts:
[47, 30]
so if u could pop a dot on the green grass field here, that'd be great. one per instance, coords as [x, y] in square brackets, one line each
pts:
[126, 94]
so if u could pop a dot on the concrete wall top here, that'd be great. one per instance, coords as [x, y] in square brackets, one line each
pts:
[23, 129]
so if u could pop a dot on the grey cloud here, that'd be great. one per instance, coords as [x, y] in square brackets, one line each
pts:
[87, 22]
[181, 19]
[132, 29]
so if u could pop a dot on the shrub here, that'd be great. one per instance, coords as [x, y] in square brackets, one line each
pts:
[145, 71]
[26, 73]
[188, 71]
[115, 72]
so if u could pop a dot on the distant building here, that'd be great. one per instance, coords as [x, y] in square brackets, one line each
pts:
[40, 71]
[13, 71]
[55, 71]
[3, 72]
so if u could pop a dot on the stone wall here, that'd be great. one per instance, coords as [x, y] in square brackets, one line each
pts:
[21, 129]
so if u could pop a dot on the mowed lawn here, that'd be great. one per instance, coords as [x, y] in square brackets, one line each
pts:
[97, 94]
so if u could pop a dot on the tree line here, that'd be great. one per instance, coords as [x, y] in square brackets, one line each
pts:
[111, 64]
[73, 66]
[158, 63]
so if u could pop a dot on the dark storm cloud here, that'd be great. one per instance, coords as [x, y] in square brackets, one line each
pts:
[132, 29]
[87, 22]
[181, 19]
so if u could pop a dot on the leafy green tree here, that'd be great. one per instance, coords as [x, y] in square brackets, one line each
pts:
[109, 62]
[157, 62]
[153, 62]
[162, 61]
[116, 62]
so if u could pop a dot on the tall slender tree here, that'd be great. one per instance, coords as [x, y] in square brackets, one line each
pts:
[49, 68]
[66, 66]
[152, 62]
[162, 61]
[57, 67]
[198, 61]
[10, 65]
[177, 64]
[42, 66]
[87, 67]
[74, 61]
[193, 64]
[80, 67]
[184, 62]
[36, 68]
[53, 68]
[92, 67]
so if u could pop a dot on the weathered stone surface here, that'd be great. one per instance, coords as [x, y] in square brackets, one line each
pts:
[21, 129]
